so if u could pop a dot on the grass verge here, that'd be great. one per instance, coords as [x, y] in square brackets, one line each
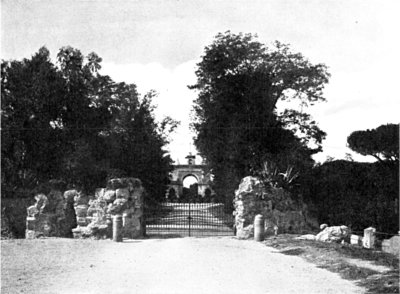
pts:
[376, 271]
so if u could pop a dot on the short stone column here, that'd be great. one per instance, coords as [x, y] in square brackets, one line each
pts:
[109, 226]
[117, 228]
[259, 228]
[30, 227]
[369, 238]
[276, 228]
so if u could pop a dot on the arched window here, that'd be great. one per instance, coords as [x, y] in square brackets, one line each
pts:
[189, 181]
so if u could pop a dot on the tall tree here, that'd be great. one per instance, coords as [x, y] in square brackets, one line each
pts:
[70, 122]
[31, 92]
[239, 83]
[381, 143]
[138, 141]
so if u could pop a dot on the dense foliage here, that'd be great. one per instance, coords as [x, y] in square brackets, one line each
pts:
[239, 83]
[355, 194]
[67, 121]
[359, 194]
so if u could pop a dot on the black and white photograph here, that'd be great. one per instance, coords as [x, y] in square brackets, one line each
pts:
[199, 146]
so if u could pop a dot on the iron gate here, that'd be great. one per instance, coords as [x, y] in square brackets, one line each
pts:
[188, 219]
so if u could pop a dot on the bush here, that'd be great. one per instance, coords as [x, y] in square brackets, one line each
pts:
[355, 194]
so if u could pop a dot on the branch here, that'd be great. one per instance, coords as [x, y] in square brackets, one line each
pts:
[377, 157]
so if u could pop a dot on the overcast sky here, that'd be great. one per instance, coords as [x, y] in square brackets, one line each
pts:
[156, 44]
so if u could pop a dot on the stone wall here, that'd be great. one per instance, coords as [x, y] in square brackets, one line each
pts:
[73, 213]
[275, 204]
[49, 216]
[122, 196]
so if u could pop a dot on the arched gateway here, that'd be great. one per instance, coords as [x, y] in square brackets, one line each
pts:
[191, 169]
[191, 208]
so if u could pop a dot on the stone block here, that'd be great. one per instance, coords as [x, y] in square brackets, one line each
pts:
[81, 221]
[81, 199]
[369, 238]
[356, 240]
[41, 202]
[114, 184]
[92, 231]
[47, 225]
[109, 196]
[392, 245]
[118, 206]
[99, 193]
[122, 193]
[134, 184]
[55, 202]
[245, 233]
[30, 234]
[81, 210]
[96, 215]
[77, 233]
[32, 211]
[97, 210]
[334, 234]
[70, 195]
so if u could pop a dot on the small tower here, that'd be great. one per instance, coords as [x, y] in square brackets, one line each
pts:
[191, 159]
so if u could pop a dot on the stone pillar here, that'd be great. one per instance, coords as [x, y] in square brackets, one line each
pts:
[369, 238]
[30, 227]
[109, 226]
[259, 228]
[117, 228]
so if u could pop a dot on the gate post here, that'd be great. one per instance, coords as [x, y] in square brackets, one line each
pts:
[109, 227]
[259, 228]
[117, 228]
[369, 238]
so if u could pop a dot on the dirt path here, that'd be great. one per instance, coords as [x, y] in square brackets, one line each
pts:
[182, 265]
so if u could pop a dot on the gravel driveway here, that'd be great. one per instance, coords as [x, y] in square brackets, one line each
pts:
[181, 265]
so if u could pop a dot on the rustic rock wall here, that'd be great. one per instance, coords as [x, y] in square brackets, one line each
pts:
[275, 204]
[50, 216]
[76, 214]
[122, 196]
